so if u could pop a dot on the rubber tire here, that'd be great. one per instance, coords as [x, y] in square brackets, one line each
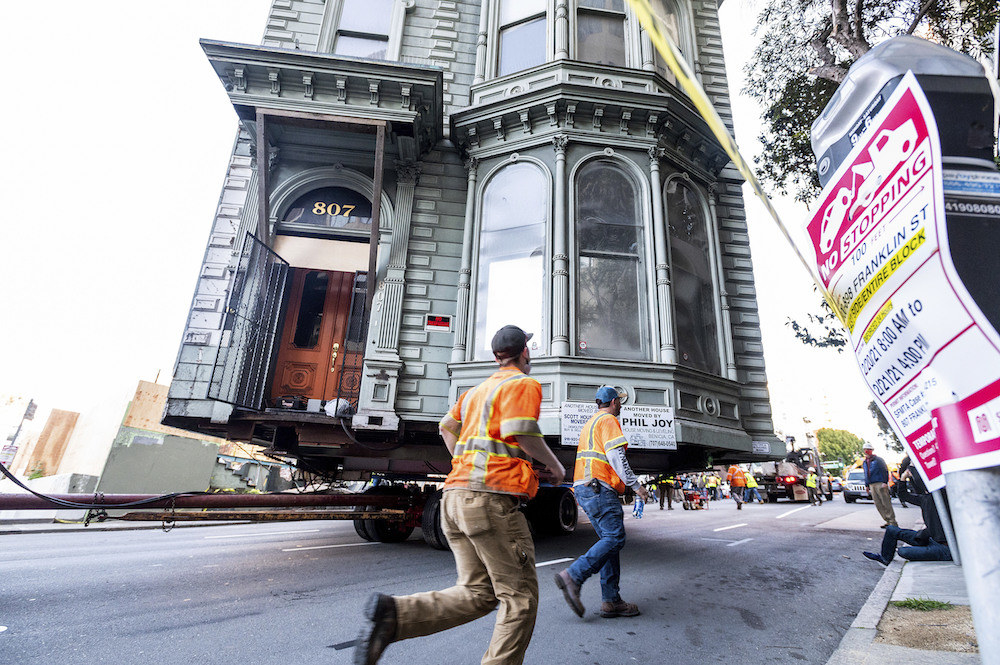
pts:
[430, 523]
[383, 531]
[687, 505]
[564, 512]
[829, 496]
[849, 500]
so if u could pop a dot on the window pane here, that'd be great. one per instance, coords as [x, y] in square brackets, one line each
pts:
[332, 208]
[600, 38]
[611, 321]
[512, 257]
[310, 318]
[366, 16]
[667, 13]
[358, 47]
[611, 5]
[693, 286]
[515, 10]
[522, 46]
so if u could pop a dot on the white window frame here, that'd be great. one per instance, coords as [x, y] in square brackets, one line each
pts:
[493, 43]
[331, 21]
[641, 181]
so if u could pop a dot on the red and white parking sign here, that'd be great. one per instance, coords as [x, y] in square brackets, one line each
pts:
[926, 351]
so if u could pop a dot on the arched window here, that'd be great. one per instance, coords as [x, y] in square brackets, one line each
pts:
[522, 35]
[511, 271]
[600, 32]
[693, 285]
[333, 209]
[611, 316]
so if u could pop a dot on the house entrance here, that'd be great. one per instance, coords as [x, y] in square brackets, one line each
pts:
[313, 337]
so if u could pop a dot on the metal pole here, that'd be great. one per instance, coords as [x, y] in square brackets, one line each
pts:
[975, 496]
[949, 530]
[226, 500]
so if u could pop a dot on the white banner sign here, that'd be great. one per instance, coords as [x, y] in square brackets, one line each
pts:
[646, 427]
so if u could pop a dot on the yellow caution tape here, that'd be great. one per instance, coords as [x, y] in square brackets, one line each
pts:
[689, 83]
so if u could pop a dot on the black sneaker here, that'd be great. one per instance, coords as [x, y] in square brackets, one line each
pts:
[380, 631]
[876, 557]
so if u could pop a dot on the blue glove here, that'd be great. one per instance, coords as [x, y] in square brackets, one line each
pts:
[637, 508]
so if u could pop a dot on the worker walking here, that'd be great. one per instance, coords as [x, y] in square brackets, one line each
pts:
[750, 493]
[734, 476]
[490, 431]
[815, 497]
[600, 477]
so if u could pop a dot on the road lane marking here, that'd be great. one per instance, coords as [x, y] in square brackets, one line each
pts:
[719, 540]
[791, 511]
[552, 563]
[326, 547]
[739, 542]
[3, 628]
[726, 528]
[268, 533]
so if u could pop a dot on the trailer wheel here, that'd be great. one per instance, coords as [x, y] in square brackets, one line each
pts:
[381, 530]
[829, 495]
[772, 498]
[553, 511]
[430, 523]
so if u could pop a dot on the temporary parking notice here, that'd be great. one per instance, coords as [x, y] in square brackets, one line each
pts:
[926, 351]
[646, 427]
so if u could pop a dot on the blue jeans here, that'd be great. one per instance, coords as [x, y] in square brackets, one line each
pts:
[749, 494]
[923, 548]
[604, 509]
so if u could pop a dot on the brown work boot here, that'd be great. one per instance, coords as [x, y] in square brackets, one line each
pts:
[380, 631]
[571, 591]
[619, 608]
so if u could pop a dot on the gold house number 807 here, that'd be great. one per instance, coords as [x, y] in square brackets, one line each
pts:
[320, 208]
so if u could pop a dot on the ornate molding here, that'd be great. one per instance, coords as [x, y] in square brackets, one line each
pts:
[559, 142]
[656, 153]
[471, 165]
[408, 173]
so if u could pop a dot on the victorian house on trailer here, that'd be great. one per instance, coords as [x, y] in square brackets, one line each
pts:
[411, 175]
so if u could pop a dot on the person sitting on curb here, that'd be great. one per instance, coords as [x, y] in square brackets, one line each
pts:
[928, 544]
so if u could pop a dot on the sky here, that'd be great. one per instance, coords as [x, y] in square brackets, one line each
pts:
[117, 136]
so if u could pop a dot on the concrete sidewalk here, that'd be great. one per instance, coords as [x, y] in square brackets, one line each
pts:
[934, 580]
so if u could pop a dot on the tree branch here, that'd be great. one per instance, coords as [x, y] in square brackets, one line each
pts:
[920, 16]
[830, 73]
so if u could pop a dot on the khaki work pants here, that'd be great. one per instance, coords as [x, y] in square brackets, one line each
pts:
[495, 557]
[883, 502]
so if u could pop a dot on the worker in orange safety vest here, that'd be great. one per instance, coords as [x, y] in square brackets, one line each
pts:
[734, 476]
[492, 433]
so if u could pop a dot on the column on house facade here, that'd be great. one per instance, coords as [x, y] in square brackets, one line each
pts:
[560, 254]
[722, 306]
[664, 298]
[562, 29]
[484, 24]
[393, 285]
[458, 350]
[646, 46]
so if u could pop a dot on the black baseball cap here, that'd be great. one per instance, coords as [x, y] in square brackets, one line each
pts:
[509, 342]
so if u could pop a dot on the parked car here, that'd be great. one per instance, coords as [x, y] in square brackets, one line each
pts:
[855, 488]
[836, 484]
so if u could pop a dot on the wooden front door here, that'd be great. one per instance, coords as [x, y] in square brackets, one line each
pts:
[312, 338]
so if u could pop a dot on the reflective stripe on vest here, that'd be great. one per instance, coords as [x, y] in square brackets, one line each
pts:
[590, 454]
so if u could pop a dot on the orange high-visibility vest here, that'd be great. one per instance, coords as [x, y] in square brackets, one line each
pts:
[734, 476]
[601, 434]
[487, 457]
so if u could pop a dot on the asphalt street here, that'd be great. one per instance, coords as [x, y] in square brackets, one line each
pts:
[772, 583]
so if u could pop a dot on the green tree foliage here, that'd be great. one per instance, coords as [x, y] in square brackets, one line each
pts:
[805, 50]
[839, 444]
[888, 437]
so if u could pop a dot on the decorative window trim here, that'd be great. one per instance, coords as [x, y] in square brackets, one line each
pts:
[640, 178]
[493, 43]
[328, 176]
[712, 231]
[331, 20]
[481, 185]
[633, 49]
[685, 26]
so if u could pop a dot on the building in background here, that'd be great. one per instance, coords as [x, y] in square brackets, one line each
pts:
[411, 175]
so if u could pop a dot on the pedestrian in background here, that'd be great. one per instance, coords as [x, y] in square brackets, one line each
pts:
[600, 477]
[877, 480]
[737, 482]
[927, 544]
[750, 493]
[811, 487]
[492, 433]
